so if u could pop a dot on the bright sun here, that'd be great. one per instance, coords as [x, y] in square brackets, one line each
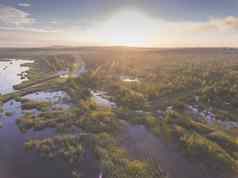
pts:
[130, 28]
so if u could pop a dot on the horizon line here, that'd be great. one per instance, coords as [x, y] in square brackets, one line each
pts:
[118, 46]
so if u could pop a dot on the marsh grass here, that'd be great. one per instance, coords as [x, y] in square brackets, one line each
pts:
[39, 105]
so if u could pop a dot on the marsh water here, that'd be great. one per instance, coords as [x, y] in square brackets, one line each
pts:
[15, 162]
[101, 99]
[143, 145]
[59, 99]
[10, 70]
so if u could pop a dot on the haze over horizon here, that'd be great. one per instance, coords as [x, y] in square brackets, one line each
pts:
[140, 23]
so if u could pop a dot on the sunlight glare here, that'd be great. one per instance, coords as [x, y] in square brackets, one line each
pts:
[130, 28]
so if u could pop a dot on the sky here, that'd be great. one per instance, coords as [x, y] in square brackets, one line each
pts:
[146, 23]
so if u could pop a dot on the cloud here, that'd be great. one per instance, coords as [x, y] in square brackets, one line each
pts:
[53, 22]
[29, 29]
[11, 16]
[221, 24]
[15, 20]
[24, 4]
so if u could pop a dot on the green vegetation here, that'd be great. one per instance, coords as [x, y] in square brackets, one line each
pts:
[66, 146]
[214, 148]
[41, 106]
[94, 123]
[167, 83]
[175, 82]
[129, 98]
[208, 152]
[99, 121]
[52, 119]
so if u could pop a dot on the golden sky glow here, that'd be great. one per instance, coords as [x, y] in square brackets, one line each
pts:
[130, 28]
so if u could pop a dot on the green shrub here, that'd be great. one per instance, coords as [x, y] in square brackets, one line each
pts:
[42, 106]
[99, 121]
[151, 121]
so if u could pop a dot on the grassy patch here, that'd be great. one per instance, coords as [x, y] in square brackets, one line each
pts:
[99, 121]
[41, 106]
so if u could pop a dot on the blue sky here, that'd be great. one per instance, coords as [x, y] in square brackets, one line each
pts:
[49, 22]
[167, 9]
